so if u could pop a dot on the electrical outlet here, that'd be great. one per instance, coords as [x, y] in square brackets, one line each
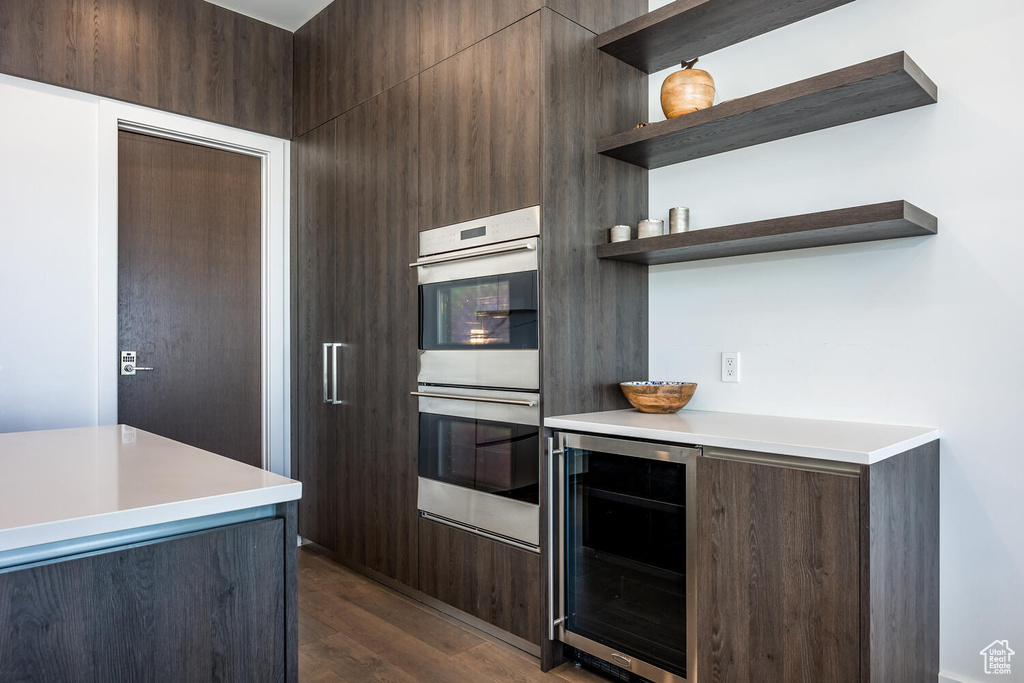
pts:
[730, 366]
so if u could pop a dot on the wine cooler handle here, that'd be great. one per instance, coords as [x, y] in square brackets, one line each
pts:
[556, 559]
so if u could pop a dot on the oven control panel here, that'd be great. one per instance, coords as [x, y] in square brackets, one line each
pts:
[491, 230]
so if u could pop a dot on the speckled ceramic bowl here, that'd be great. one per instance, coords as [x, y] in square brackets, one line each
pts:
[658, 397]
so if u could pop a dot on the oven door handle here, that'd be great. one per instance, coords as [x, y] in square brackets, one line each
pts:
[528, 245]
[479, 399]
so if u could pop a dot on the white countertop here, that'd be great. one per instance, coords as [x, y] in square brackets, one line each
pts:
[71, 483]
[852, 442]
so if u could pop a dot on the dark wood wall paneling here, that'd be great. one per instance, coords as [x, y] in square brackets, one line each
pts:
[594, 325]
[212, 605]
[184, 56]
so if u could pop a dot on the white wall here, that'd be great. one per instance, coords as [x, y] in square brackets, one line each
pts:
[58, 259]
[922, 331]
[48, 228]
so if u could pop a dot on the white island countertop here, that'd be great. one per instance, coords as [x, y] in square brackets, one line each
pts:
[68, 484]
[851, 442]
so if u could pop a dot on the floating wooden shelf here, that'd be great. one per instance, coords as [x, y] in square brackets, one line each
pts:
[889, 220]
[686, 29]
[880, 86]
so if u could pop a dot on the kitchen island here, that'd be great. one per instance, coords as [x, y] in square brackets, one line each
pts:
[126, 556]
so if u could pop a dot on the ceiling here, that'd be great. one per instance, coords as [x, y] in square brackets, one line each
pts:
[288, 14]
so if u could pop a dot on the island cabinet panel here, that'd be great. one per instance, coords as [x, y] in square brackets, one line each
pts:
[211, 605]
[189, 57]
[480, 131]
[778, 571]
[492, 581]
[352, 51]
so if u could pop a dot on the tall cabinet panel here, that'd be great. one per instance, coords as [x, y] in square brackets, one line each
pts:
[594, 332]
[448, 26]
[376, 150]
[480, 129]
[318, 425]
[350, 52]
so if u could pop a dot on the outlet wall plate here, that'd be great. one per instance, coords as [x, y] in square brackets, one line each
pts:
[730, 366]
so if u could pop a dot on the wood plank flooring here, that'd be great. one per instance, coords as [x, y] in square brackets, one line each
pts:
[354, 629]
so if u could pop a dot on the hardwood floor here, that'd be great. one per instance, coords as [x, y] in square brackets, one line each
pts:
[354, 629]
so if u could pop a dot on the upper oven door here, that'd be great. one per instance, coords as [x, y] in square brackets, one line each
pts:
[478, 302]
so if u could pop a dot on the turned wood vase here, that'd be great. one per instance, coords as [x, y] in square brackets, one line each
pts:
[686, 91]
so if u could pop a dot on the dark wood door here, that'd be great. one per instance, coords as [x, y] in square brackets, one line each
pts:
[480, 142]
[319, 426]
[777, 575]
[189, 223]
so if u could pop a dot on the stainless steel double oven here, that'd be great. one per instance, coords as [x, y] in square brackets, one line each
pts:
[479, 376]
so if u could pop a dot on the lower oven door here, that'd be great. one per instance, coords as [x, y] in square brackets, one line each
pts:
[627, 579]
[479, 461]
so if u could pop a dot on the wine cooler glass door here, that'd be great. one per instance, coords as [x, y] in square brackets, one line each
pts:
[628, 566]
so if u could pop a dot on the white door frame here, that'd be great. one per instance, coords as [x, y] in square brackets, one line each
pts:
[275, 342]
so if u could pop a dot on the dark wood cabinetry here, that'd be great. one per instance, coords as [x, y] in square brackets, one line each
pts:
[480, 126]
[449, 26]
[350, 52]
[594, 331]
[509, 120]
[814, 576]
[460, 569]
[778, 565]
[189, 57]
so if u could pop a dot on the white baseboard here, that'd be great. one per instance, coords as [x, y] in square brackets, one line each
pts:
[948, 678]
